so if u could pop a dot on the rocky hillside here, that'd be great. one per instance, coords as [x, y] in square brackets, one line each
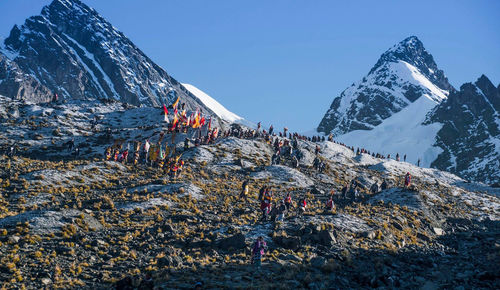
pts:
[470, 136]
[79, 222]
[71, 50]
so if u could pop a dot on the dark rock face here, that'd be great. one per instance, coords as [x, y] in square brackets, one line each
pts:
[388, 88]
[75, 52]
[470, 134]
[234, 242]
[20, 86]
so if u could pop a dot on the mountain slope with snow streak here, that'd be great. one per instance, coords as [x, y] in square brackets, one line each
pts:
[71, 50]
[401, 133]
[210, 102]
[216, 107]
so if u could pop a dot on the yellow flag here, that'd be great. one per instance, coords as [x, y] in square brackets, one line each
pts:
[176, 102]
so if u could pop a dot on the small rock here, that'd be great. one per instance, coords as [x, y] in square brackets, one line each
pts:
[438, 231]
[423, 237]
[369, 234]
[14, 239]
[46, 281]
[290, 257]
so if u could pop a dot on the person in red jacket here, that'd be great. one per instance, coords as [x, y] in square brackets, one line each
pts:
[288, 201]
[330, 205]
[124, 156]
[407, 180]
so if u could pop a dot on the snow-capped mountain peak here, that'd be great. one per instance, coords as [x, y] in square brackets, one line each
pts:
[403, 74]
[405, 105]
[411, 50]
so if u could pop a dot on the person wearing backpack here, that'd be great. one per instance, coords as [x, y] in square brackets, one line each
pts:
[407, 180]
[330, 205]
[258, 250]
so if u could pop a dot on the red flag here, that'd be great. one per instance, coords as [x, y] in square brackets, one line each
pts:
[165, 110]
[202, 121]
[209, 123]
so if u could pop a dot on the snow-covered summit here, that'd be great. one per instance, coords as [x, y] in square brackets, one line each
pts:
[406, 105]
[403, 74]
[412, 51]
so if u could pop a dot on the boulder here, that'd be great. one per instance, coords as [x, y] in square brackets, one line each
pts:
[291, 243]
[369, 234]
[318, 262]
[326, 238]
[46, 281]
[14, 239]
[171, 261]
[234, 242]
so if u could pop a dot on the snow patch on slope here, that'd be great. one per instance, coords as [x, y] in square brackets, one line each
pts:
[413, 75]
[216, 107]
[401, 133]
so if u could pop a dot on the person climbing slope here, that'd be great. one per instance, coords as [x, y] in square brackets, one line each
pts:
[258, 250]
[407, 180]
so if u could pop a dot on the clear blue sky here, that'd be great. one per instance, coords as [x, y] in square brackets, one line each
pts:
[283, 62]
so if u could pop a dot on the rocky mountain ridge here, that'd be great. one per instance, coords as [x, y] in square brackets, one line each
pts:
[470, 136]
[71, 50]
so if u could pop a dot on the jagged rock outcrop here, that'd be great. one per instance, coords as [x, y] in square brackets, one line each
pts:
[19, 85]
[470, 136]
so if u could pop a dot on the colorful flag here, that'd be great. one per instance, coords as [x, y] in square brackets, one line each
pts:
[176, 102]
[175, 121]
[196, 122]
[165, 112]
